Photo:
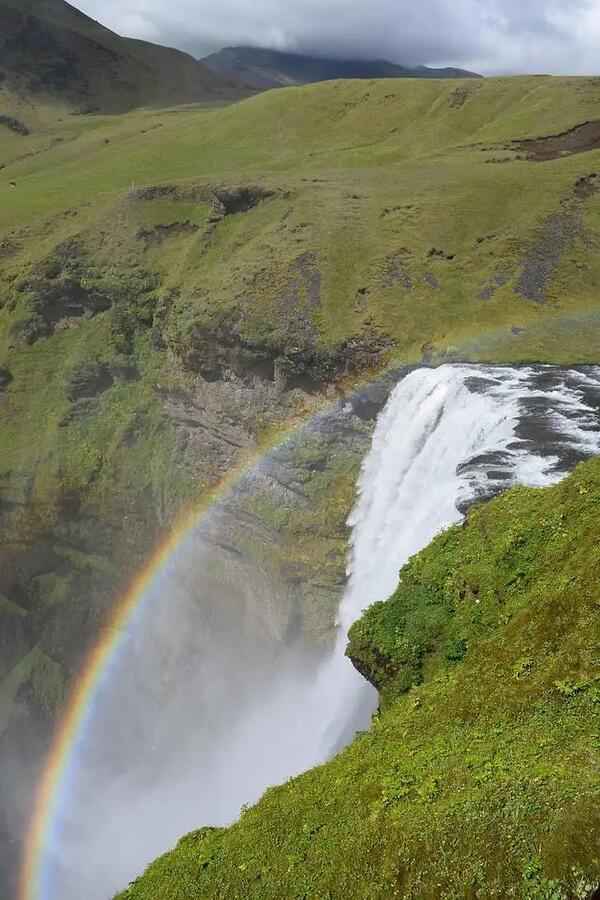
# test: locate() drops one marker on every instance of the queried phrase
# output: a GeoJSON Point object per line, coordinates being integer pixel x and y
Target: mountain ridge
{"type": "Point", "coordinates": [263, 68]}
{"type": "Point", "coordinates": [52, 52]}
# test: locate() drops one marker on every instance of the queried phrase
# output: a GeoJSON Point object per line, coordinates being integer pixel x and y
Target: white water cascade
{"type": "Point", "coordinates": [445, 437]}
{"type": "Point", "coordinates": [417, 476]}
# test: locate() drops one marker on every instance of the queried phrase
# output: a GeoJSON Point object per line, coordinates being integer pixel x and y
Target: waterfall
{"type": "Point", "coordinates": [446, 437]}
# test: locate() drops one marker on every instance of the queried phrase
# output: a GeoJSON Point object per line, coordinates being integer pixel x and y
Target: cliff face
{"type": "Point", "coordinates": [478, 776]}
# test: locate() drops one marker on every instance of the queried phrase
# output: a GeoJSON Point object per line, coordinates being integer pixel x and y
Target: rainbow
{"type": "Point", "coordinates": [79, 708]}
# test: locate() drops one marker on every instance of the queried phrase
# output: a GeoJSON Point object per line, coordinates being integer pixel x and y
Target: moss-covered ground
{"type": "Point", "coordinates": [479, 776]}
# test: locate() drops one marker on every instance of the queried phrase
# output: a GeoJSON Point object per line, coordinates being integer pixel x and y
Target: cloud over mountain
{"type": "Point", "coordinates": [493, 36]}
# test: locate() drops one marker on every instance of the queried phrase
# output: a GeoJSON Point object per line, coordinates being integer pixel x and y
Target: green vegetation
{"type": "Point", "coordinates": [420, 234]}
{"type": "Point", "coordinates": [478, 778]}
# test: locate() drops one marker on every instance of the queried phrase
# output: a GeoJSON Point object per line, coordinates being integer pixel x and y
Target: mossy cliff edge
{"type": "Point", "coordinates": [479, 775]}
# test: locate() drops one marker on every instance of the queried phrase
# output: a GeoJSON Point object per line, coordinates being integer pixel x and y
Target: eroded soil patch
{"type": "Point", "coordinates": [160, 233]}
{"type": "Point", "coordinates": [198, 193]}
{"type": "Point", "coordinates": [556, 235]}
{"type": "Point", "coordinates": [579, 139]}
{"type": "Point", "coordinates": [230, 201]}
{"type": "Point", "coordinates": [395, 272]}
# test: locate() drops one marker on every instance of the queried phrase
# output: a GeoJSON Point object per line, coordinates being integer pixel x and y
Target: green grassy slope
{"type": "Point", "coordinates": [421, 234]}
{"type": "Point", "coordinates": [53, 54]}
{"type": "Point", "coordinates": [479, 777]}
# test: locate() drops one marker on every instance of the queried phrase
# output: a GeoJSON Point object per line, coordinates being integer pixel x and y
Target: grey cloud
{"type": "Point", "coordinates": [493, 36]}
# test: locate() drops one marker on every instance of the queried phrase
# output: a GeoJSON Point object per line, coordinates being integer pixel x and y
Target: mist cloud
{"type": "Point", "coordinates": [492, 36]}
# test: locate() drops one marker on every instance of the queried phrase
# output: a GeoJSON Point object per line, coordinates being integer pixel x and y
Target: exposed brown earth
{"type": "Point", "coordinates": [160, 233]}
{"type": "Point", "coordinates": [579, 139]}
{"type": "Point", "coordinates": [557, 234]}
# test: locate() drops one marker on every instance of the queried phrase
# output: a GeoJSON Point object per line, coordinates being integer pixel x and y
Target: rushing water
{"type": "Point", "coordinates": [238, 722]}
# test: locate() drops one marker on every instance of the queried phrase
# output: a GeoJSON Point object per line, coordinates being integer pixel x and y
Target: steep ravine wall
{"type": "Point", "coordinates": [276, 548]}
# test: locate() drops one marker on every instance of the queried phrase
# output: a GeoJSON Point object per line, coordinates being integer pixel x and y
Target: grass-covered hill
{"type": "Point", "coordinates": [177, 284]}
{"type": "Point", "coordinates": [263, 68]}
{"type": "Point", "coordinates": [52, 55]}
{"type": "Point", "coordinates": [479, 776]}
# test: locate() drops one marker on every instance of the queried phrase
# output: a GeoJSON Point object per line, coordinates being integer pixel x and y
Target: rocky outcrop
{"type": "Point", "coordinates": [67, 287]}
{"type": "Point", "coordinates": [230, 201]}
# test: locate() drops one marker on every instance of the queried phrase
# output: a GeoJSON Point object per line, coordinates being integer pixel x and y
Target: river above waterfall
{"type": "Point", "coordinates": [204, 709]}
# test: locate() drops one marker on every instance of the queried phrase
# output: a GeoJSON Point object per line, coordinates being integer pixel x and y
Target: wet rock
{"type": "Point", "coordinates": [368, 402]}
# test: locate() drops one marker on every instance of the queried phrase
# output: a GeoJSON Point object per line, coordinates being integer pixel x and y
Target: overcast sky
{"type": "Point", "coordinates": [491, 36]}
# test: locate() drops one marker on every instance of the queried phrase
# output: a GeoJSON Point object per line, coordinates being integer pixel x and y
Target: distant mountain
{"type": "Point", "coordinates": [263, 69]}
{"type": "Point", "coordinates": [50, 49]}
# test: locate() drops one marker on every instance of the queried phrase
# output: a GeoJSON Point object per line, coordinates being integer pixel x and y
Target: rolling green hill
{"type": "Point", "coordinates": [53, 55]}
{"type": "Point", "coordinates": [248, 261]}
